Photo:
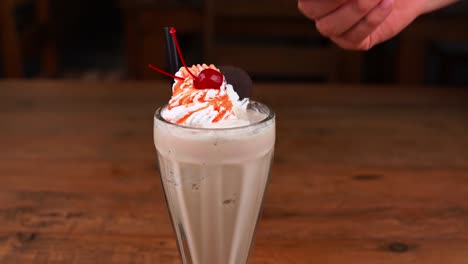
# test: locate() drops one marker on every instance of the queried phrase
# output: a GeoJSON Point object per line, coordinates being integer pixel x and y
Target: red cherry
{"type": "Point", "coordinates": [209, 79]}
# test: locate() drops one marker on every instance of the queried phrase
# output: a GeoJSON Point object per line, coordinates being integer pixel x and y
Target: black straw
{"type": "Point", "coordinates": [172, 58]}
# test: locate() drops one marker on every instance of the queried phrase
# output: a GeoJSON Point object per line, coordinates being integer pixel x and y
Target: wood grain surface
{"type": "Point", "coordinates": [362, 174]}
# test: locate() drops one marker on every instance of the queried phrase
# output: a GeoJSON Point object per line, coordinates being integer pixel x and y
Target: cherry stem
{"type": "Point", "coordinates": [173, 33]}
{"type": "Point", "coordinates": [165, 73]}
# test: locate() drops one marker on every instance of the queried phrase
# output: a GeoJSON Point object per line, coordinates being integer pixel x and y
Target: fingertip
{"type": "Point", "coordinates": [346, 44]}
{"type": "Point", "coordinates": [300, 5]}
{"type": "Point", "coordinates": [325, 28]}
{"type": "Point", "coordinates": [305, 8]}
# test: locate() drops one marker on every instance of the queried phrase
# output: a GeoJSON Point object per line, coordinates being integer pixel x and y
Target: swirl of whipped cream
{"type": "Point", "coordinates": [202, 107]}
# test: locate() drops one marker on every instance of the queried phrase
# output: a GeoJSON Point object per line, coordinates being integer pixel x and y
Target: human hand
{"type": "Point", "coordinates": [361, 24]}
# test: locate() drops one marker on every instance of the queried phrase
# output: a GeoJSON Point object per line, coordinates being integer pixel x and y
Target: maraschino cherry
{"type": "Point", "coordinates": [206, 79]}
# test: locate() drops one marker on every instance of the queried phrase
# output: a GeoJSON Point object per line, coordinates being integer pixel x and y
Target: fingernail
{"type": "Point", "coordinates": [386, 4]}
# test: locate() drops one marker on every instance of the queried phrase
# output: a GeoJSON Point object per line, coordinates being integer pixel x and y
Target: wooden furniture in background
{"type": "Point", "coordinates": [34, 40]}
{"type": "Point", "coordinates": [144, 23]}
{"type": "Point", "coordinates": [375, 174]}
{"type": "Point", "coordinates": [273, 38]}
{"type": "Point", "coordinates": [416, 41]}
{"type": "Point", "coordinates": [264, 37]}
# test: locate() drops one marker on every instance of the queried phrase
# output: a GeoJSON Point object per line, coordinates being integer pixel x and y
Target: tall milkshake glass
{"type": "Point", "coordinates": [214, 180]}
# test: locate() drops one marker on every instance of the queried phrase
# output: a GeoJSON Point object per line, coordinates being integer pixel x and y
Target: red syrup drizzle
{"type": "Point", "coordinates": [207, 79]}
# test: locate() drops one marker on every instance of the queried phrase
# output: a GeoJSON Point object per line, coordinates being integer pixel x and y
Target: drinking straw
{"type": "Point", "coordinates": [171, 52]}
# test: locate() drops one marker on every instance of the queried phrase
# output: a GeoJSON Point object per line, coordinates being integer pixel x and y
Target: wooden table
{"type": "Point", "coordinates": [361, 175]}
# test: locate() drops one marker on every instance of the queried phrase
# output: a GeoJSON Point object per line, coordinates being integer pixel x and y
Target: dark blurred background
{"type": "Point", "coordinates": [115, 40]}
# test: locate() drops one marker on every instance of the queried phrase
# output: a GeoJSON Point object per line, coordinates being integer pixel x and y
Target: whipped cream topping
{"type": "Point", "coordinates": [194, 107]}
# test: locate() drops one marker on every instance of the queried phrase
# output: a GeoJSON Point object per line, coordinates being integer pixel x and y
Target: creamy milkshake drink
{"type": "Point", "coordinates": [214, 152]}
